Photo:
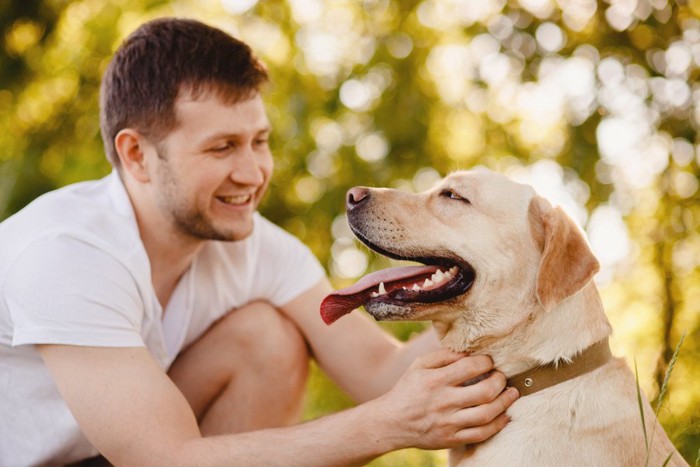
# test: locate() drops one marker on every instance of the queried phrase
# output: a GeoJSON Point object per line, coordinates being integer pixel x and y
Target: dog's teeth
{"type": "Point", "coordinates": [454, 269]}
{"type": "Point", "coordinates": [380, 291]}
{"type": "Point", "coordinates": [416, 288]}
{"type": "Point", "coordinates": [427, 283]}
{"type": "Point", "coordinates": [448, 275]}
{"type": "Point", "coordinates": [439, 276]}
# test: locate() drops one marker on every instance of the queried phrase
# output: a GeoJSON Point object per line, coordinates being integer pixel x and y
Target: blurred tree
{"type": "Point", "coordinates": [593, 101]}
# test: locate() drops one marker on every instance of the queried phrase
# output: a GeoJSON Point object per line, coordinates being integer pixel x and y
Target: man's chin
{"type": "Point", "coordinates": [239, 235]}
{"type": "Point", "coordinates": [235, 231]}
{"type": "Point", "coordinates": [223, 233]}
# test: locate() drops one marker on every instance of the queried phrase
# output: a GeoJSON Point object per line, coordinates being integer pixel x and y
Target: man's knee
{"type": "Point", "coordinates": [263, 336]}
{"type": "Point", "coordinates": [248, 371]}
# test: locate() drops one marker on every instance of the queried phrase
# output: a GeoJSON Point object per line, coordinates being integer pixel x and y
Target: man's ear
{"type": "Point", "coordinates": [130, 145]}
{"type": "Point", "coordinates": [567, 262]}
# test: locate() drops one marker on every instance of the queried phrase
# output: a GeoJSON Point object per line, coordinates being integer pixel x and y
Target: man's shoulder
{"type": "Point", "coordinates": [82, 214]}
{"type": "Point", "coordinates": [64, 205]}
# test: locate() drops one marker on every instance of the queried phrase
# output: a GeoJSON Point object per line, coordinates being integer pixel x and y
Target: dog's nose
{"type": "Point", "coordinates": [356, 196]}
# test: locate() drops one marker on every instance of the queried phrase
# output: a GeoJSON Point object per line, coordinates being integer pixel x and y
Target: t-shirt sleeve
{"type": "Point", "coordinates": [286, 268]}
{"type": "Point", "coordinates": [62, 290]}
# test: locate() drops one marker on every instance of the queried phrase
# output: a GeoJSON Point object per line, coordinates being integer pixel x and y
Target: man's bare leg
{"type": "Point", "coordinates": [247, 372]}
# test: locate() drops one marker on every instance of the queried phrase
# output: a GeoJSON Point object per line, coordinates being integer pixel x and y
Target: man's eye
{"type": "Point", "coordinates": [452, 195]}
{"type": "Point", "coordinates": [222, 148]}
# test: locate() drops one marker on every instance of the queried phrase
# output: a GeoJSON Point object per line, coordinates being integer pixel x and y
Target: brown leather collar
{"type": "Point", "coordinates": [542, 377]}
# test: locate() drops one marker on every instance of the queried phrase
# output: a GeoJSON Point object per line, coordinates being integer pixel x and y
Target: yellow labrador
{"type": "Point", "coordinates": [508, 275]}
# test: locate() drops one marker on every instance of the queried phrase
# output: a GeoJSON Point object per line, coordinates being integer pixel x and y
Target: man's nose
{"type": "Point", "coordinates": [356, 196]}
{"type": "Point", "coordinates": [248, 170]}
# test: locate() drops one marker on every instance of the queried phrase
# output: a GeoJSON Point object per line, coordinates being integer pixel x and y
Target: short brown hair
{"type": "Point", "coordinates": [162, 59]}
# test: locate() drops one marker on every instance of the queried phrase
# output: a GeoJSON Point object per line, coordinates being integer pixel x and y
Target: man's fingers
{"type": "Point", "coordinates": [484, 391]}
{"type": "Point", "coordinates": [438, 359]}
{"type": "Point", "coordinates": [465, 369]}
{"type": "Point", "coordinates": [477, 434]}
{"type": "Point", "coordinates": [484, 421]}
{"type": "Point", "coordinates": [485, 413]}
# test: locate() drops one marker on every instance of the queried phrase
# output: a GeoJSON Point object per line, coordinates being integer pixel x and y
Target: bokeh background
{"type": "Point", "coordinates": [596, 103]}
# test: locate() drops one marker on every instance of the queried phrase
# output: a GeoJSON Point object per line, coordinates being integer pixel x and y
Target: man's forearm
{"type": "Point", "coordinates": [351, 437]}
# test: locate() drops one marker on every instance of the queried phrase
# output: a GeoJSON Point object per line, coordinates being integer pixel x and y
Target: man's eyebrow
{"type": "Point", "coordinates": [232, 134]}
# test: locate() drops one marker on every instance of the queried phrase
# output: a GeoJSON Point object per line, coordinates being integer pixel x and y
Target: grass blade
{"type": "Point", "coordinates": [641, 410]}
{"type": "Point", "coordinates": [667, 376]}
{"type": "Point", "coordinates": [659, 400]}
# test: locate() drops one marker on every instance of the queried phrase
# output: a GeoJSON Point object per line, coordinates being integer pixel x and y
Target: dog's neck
{"type": "Point", "coordinates": [546, 337]}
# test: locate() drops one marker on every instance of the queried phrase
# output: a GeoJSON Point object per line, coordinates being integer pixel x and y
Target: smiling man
{"type": "Point", "coordinates": [155, 318]}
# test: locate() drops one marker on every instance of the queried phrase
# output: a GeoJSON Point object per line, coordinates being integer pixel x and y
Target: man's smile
{"type": "Point", "coordinates": [236, 200]}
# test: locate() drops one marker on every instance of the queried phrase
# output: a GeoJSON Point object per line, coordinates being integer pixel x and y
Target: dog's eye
{"type": "Point", "coordinates": [452, 195]}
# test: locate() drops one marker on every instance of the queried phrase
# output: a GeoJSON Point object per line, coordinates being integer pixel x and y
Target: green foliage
{"type": "Point", "coordinates": [649, 439]}
{"type": "Point", "coordinates": [399, 92]}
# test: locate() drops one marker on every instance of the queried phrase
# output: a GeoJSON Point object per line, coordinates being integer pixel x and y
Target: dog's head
{"type": "Point", "coordinates": [494, 253]}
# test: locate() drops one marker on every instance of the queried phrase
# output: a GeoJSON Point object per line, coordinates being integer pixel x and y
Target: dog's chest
{"type": "Point", "coordinates": [519, 443]}
{"type": "Point", "coordinates": [560, 427]}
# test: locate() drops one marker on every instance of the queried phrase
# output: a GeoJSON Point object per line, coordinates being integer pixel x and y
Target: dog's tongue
{"type": "Point", "coordinates": [343, 301]}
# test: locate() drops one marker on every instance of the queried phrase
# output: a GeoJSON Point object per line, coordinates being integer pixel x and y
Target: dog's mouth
{"type": "Point", "coordinates": [438, 280]}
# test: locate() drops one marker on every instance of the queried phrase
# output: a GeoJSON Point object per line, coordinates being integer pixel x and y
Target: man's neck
{"type": "Point", "coordinates": [170, 252]}
{"type": "Point", "coordinates": [170, 256]}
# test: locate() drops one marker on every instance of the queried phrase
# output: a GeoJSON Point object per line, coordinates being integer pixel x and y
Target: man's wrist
{"type": "Point", "coordinates": [380, 427]}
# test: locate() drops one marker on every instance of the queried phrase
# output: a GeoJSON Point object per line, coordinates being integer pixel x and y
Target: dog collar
{"type": "Point", "coordinates": [544, 376]}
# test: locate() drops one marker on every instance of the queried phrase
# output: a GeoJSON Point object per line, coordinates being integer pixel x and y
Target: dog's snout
{"type": "Point", "coordinates": [356, 196]}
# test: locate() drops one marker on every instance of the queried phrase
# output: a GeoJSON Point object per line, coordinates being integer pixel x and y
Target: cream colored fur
{"type": "Point", "coordinates": [533, 302]}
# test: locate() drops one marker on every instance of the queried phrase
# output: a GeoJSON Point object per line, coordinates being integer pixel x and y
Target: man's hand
{"type": "Point", "coordinates": [430, 409]}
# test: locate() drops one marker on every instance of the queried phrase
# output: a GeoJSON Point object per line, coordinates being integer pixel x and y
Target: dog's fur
{"type": "Point", "coordinates": [532, 302]}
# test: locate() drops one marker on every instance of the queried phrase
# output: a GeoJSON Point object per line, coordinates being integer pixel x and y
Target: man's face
{"type": "Point", "coordinates": [213, 169]}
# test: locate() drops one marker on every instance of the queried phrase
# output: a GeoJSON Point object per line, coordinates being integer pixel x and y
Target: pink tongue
{"type": "Point", "coordinates": [343, 301]}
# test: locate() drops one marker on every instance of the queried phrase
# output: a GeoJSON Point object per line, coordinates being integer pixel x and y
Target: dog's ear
{"type": "Point", "coordinates": [567, 262]}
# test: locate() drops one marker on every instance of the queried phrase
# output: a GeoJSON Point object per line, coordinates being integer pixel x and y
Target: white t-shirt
{"type": "Point", "coordinates": [73, 270]}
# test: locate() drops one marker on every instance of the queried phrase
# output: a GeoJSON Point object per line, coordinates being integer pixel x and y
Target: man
{"type": "Point", "coordinates": [116, 330]}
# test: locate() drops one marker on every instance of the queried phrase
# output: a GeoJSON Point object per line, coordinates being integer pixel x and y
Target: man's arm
{"type": "Point", "coordinates": [357, 354]}
{"type": "Point", "coordinates": [131, 411]}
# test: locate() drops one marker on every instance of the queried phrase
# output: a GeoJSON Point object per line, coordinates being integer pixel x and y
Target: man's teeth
{"type": "Point", "coordinates": [436, 280]}
{"type": "Point", "coordinates": [238, 199]}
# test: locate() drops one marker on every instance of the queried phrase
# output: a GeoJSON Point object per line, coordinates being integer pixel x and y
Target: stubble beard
{"type": "Point", "coordinates": [187, 219]}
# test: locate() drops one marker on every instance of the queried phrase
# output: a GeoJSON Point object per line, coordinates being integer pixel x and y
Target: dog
{"type": "Point", "coordinates": [508, 275]}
